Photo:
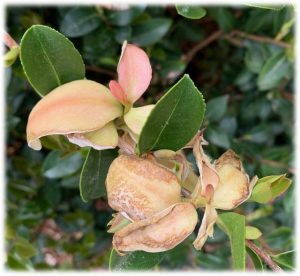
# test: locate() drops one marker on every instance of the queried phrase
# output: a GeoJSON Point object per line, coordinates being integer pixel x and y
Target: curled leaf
{"type": "Point", "coordinates": [76, 107]}
{"type": "Point", "coordinates": [161, 232]}
{"type": "Point", "coordinates": [140, 187]}
{"type": "Point", "coordinates": [207, 227]}
{"type": "Point", "coordinates": [134, 74]}
{"type": "Point", "coordinates": [234, 186]}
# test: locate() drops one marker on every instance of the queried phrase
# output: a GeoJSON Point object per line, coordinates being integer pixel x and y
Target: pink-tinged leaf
{"type": "Point", "coordinates": [118, 92]}
{"type": "Point", "coordinates": [76, 107]}
{"type": "Point", "coordinates": [134, 71]}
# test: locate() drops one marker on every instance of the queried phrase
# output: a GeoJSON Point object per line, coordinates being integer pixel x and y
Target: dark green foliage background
{"type": "Point", "coordinates": [251, 114]}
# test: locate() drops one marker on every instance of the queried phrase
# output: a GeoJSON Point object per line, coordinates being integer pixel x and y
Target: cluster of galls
{"type": "Point", "coordinates": [156, 197]}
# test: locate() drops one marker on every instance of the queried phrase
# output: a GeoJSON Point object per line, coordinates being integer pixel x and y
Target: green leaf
{"type": "Point", "coordinates": [224, 18]}
{"type": "Point", "coordinates": [57, 165]}
{"type": "Point", "coordinates": [255, 57]}
{"type": "Point", "coordinates": [24, 248]}
{"type": "Point", "coordinates": [270, 187]}
{"type": "Point", "coordinates": [80, 21]}
{"type": "Point", "coordinates": [255, 259]}
{"type": "Point", "coordinates": [191, 12]}
{"type": "Point", "coordinates": [125, 17]}
{"type": "Point", "coordinates": [216, 108]}
{"type": "Point", "coordinates": [49, 59]}
{"type": "Point", "coordinates": [150, 31]}
{"type": "Point", "coordinates": [94, 171]}
{"type": "Point", "coordinates": [217, 136]}
{"type": "Point", "coordinates": [252, 233]}
{"type": "Point", "coordinates": [11, 56]}
{"type": "Point", "coordinates": [274, 70]}
{"type": "Point", "coordinates": [138, 260]}
{"type": "Point", "coordinates": [175, 119]}
{"type": "Point", "coordinates": [234, 226]}
{"type": "Point", "coordinates": [286, 259]}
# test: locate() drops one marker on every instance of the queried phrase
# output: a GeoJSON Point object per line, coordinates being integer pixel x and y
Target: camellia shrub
{"type": "Point", "coordinates": [147, 164]}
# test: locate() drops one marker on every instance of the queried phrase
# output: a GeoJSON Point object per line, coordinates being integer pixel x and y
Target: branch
{"type": "Point", "coordinates": [262, 39]}
{"type": "Point", "coordinates": [264, 256]}
{"type": "Point", "coordinates": [214, 36]}
{"type": "Point", "coordinates": [9, 41]}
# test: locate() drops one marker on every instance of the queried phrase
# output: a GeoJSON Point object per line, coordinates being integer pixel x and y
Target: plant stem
{"type": "Point", "coordinates": [214, 36]}
{"type": "Point", "coordinates": [264, 256]}
{"type": "Point", "coordinates": [262, 39]}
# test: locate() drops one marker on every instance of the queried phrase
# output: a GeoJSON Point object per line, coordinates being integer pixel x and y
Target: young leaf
{"type": "Point", "coordinates": [138, 260]}
{"type": "Point", "coordinates": [11, 56]}
{"type": "Point", "coordinates": [57, 165]}
{"type": "Point", "coordinates": [93, 174]}
{"type": "Point", "coordinates": [286, 259]}
{"type": "Point", "coordinates": [255, 259]}
{"type": "Point", "coordinates": [191, 12]}
{"type": "Point", "coordinates": [274, 70]}
{"type": "Point", "coordinates": [270, 187]}
{"type": "Point", "coordinates": [234, 226]}
{"type": "Point", "coordinates": [49, 59]}
{"type": "Point", "coordinates": [175, 118]}
{"type": "Point", "coordinates": [150, 31]}
{"type": "Point", "coordinates": [252, 233]}
{"type": "Point", "coordinates": [80, 21]}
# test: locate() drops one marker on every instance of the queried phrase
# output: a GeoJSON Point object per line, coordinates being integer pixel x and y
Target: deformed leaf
{"type": "Point", "coordinates": [138, 260]}
{"type": "Point", "coordinates": [49, 59]}
{"type": "Point", "coordinates": [234, 226]}
{"type": "Point", "coordinates": [93, 174]}
{"type": "Point", "coordinates": [175, 119]}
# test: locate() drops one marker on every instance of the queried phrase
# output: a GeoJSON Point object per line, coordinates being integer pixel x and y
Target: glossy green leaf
{"type": "Point", "coordinates": [252, 233]}
{"type": "Point", "coordinates": [58, 165]}
{"type": "Point", "coordinates": [270, 187]}
{"type": "Point", "coordinates": [233, 225]}
{"type": "Point", "coordinates": [11, 56]}
{"type": "Point", "coordinates": [94, 171]}
{"type": "Point", "coordinates": [80, 21]}
{"type": "Point", "coordinates": [124, 17]}
{"type": "Point", "coordinates": [286, 259]}
{"type": "Point", "coordinates": [255, 259]}
{"type": "Point", "coordinates": [138, 260]}
{"type": "Point", "coordinates": [216, 108]}
{"type": "Point", "coordinates": [191, 12]}
{"type": "Point", "coordinates": [150, 31]}
{"type": "Point", "coordinates": [175, 119]}
{"type": "Point", "coordinates": [49, 59]}
{"type": "Point", "coordinates": [273, 72]}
